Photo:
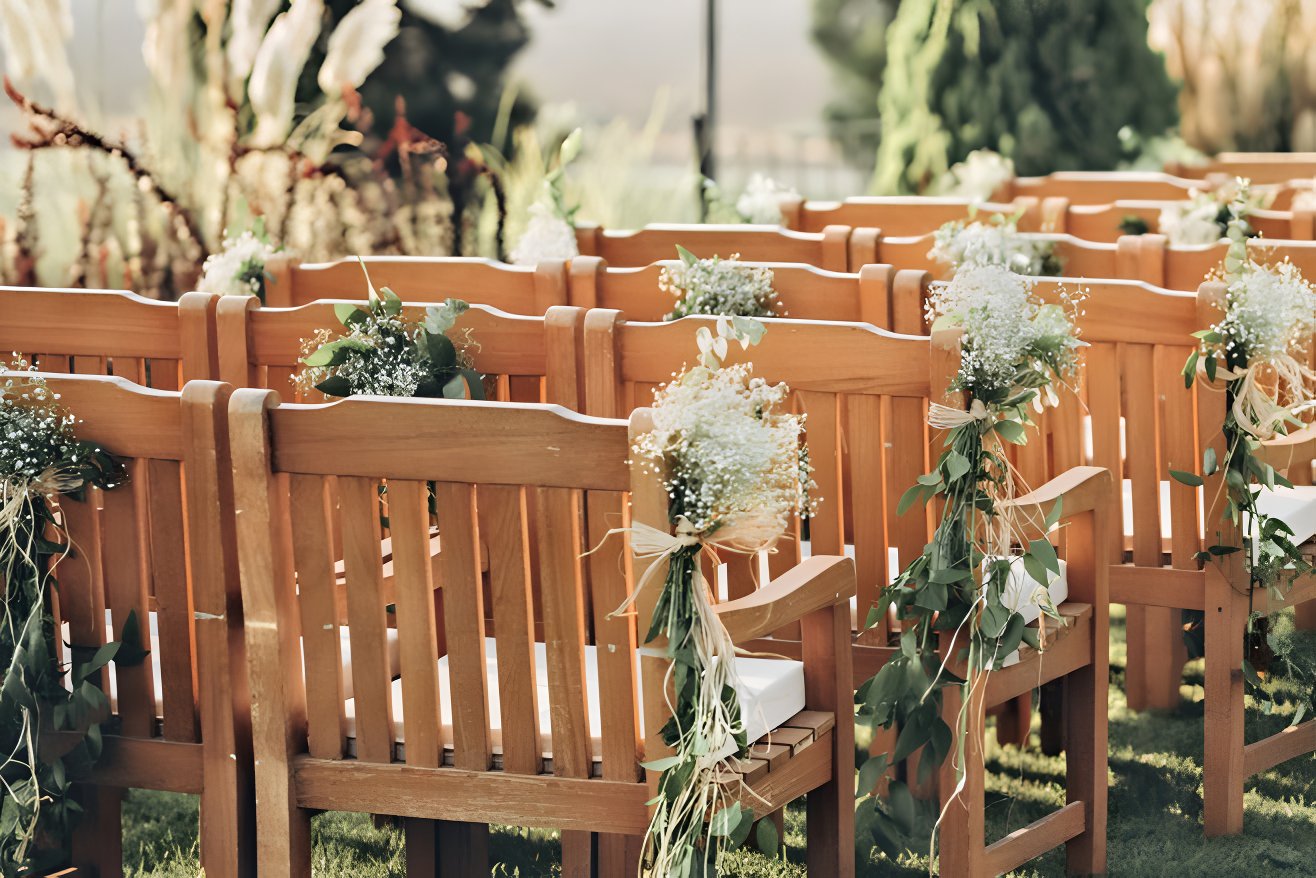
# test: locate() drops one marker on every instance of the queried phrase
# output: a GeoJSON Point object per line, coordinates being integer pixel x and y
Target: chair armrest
{"type": "Point", "coordinates": [1283, 452]}
{"type": "Point", "coordinates": [815, 584]}
{"type": "Point", "coordinates": [1081, 489]}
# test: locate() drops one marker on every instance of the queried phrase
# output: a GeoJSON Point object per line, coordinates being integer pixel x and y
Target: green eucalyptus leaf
{"type": "Point", "coordinates": [766, 838]}
{"type": "Point", "coordinates": [1192, 480]}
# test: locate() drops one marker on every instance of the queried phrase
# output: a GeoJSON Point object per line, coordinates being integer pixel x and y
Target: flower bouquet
{"type": "Point", "coordinates": [730, 456]}
{"type": "Point", "coordinates": [962, 244]}
{"type": "Point", "coordinates": [718, 287]}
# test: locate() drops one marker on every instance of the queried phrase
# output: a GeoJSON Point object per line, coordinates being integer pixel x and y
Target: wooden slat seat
{"type": "Point", "coordinates": [772, 693]}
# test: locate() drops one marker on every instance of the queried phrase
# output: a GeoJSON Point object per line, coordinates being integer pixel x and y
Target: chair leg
{"type": "Point", "coordinates": [963, 842]}
{"type": "Point", "coordinates": [1051, 705]}
{"type": "Point", "coordinates": [1015, 720]}
{"type": "Point", "coordinates": [619, 854]}
{"type": "Point", "coordinates": [1304, 616]}
{"type": "Point", "coordinates": [1156, 656]}
{"type": "Point", "coordinates": [98, 840]}
{"type": "Point", "coordinates": [1222, 760]}
{"type": "Point", "coordinates": [827, 677]}
{"type": "Point", "coordinates": [577, 854]}
{"type": "Point", "coordinates": [463, 849]}
{"type": "Point", "coordinates": [227, 832]}
{"type": "Point", "coordinates": [1085, 694]}
{"type": "Point", "coordinates": [422, 846]}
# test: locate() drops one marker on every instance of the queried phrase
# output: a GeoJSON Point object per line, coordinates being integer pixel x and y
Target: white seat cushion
{"type": "Point", "coordinates": [771, 692]}
{"type": "Point", "coordinates": [154, 658]}
{"type": "Point", "coordinates": [1021, 595]}
{"type": "Point", "coordinates": [1294, 506]}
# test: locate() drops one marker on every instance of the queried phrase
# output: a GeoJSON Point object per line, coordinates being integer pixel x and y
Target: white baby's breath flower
{"type": "Point", "coordinates": [278, 64]}
{"type": "Point", "coordinates": [1194, 222]}
{"type": "Point", "coordinates": [762, 199]}
{"type": "Point", "coordinates": [239, 268]}
{"type": "Point", "coordinates": [728, 447]}
{"type": "Point", "coordinates": [718, 287]}
{"type": "Point", "coordinates": [1270, 311]}
{"type": "Point", "coordinates": [356, 47]}
{"type": "Point", "coordinates": [547, 236]}
{"type": "Point", "coordinates": [998, 242]}
{"type": "Point", "coordinates": [978, 177]}
{"type": "Point", "coordinates": [1006, 329]}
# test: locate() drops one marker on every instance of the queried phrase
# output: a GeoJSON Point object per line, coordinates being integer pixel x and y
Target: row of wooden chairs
{"type": "Point", "coordinates": [1104, 223]}
{"type": "Point", "coordinates": [590, 282]}
{"type": "Point", "coordinates": [1175, 330]}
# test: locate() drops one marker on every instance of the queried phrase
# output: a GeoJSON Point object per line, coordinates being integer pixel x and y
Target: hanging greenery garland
{"type": "Point", "coordinates": [1258, 352]}
{"type": "Point", "coordinates": [1015, 350]}
{"type": "Point", "coordinates": [729, 453]}
{"type": "Point", "coordinates": [41, 460]}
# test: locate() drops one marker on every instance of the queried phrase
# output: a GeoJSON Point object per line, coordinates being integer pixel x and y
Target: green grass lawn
{"type": "Point", "coordinates": [1155, 811]}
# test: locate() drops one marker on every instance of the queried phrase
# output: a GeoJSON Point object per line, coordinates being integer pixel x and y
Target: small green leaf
{"type": "Point", "coordinates": [570, 148]}
{"type": "Point", "coordinates": [661, 764]}
{"type": "Point", "coordinates": [870, 773]}
{"type": "Point", "coordinates": [1046, 553]}
{"type": "Point", "coordinates": [1012, 431]}
{"type": "Point", "coordinates": [766, 839]}
{"type": "Point", "coordinates": [1189, 479]}
{"type": "Point", "coordinates": [686, 256]}
{"type": "Point", "coordinates": [335, 385]}
{"type": "Point", "coordinates": [725, 820]}
{"type": "Point", "coordinates": [1208, 462]}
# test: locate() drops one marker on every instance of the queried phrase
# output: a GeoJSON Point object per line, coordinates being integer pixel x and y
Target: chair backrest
{"type": "Point", "coordinates": [829, 249]}
{"type": "Point", "coordinates": [1148, 258]}
{"type": "Point", "coordinates": [160, 545]}
{"type": "Point", "coordinates": [1100, 187]}
{"type": "Point", "coordinates": [100, 332]}
{"type": "Point", "coordinates": [516, 289]}
{"type": "Point", "coordinates": [1102, 222]}
{"type": "Point", "coordinates": [865, 391]}
{"type": "Point", "coordinates": [901, 216]}
{"type": "Point", "coordinates": [484, 465]}
{"type": "Point", "coordinates": [533, 358]}
{"type": "Point", "coordinates": [1259, 167]}
{"type": "Point", "coordinates": [876, 294]}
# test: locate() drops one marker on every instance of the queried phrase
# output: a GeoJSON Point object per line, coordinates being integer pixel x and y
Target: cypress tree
{"type": "Point", "coordinates": [1049, 83]}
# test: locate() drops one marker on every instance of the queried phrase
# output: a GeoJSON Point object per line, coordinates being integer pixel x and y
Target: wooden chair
{"type": "Point", "coordinates": [865, 392]}
{"type": "Point", "coordinates": [99, 332]}
{"type": "Point", "coordinates": [533, 359]}
{"type": "Point", "coordinates": [832, 248]}
{"type": "Point", "coordinates": [1078, 658]}
{"type": "Point", "coordinates": [431, 745]}
{"type": "Point", "coordinates": [161, 546]}
{"type": "Point", "coordinates": [1150, 259]}
{"type": "Point", "coordinates": [512, 288]}
{"type": "Point", "coordinates": [876, 294]}
{"type": "Point", "coordinates": [1099, 187]}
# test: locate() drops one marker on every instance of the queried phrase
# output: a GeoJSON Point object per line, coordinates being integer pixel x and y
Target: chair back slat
{"type": "Point", "coordinates": [614, 637]}
{"type": "Point", "coordinates": [463, 619]}
{"type": "Point", "coordinates": [1179, 451]}
{"type": "Point", "coordinates": [563, 595]}
{"type": "Point", "coordinates": [124, 550]}
{"type": "Point", "coordinates": [505, 529]}
{"type": "Point", "coordinates": [409, 525]}
{"type": "Point", "coordinates": [313, 554]}
{"type": "Point", "coordinates": [826, 528]}
{"type": "Point", "coordinates": [173, 604]}
{"type": "Point", "coordinates": [865, 485]}
{"type": "Point", "coordinates": [359, 506]}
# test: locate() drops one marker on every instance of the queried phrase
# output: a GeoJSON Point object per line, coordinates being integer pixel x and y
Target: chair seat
{"type": "Point", "coordinates": [154, 658]}
{"type": "Point", "coordinates": [1295, 506]}
{"type": "Point", "coordinates": [771, 692]}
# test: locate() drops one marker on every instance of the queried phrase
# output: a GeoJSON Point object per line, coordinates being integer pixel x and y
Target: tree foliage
{"type": "Point", "coordinates": [851, 34]}
{"type": "Point", "coordinates": [1049, 83]}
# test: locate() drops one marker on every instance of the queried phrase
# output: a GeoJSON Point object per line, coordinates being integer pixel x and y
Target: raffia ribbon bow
{"type": "Point", "coordinates": [945, 417]}
{"type": "Point", "coordinates": [1255, 410]}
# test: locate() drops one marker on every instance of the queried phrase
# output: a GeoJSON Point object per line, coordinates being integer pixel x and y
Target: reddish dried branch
{"type": "Point", "coordinates": [53, 130]}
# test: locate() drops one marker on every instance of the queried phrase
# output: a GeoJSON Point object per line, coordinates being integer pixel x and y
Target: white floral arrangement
{"type": "Point", "coordinates": [550, 232]}
{"type": "Point", "coordinates": [238, 269]}
{"type": "Point", "coordinates": [718, 287]}
{"type": "Point", "coordinates": [977, 178]}
{"type": "Point", "coordinates": [1204, 218]}
{"type": "Point", "coordinates": [1011, 339]}
{"type": "Point", "coordinates": [762, 200]}
{"type": "Point", "coordinates": [964, 244]}
{"type": "Point", "coordinates": [729, 452]}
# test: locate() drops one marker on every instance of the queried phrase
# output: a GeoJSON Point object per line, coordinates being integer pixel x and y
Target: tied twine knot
{"type": "Point", "coordinates": [945, 417]}
{"type": "Point", "coordinates": [1255, 408]}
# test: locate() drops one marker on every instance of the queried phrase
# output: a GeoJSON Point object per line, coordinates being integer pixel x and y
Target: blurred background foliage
{"type": "Point", "coordinates": [907, 88]}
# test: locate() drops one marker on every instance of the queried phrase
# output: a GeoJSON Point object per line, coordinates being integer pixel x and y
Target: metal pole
{"type": "Point", "coordinates": [708, 157]}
